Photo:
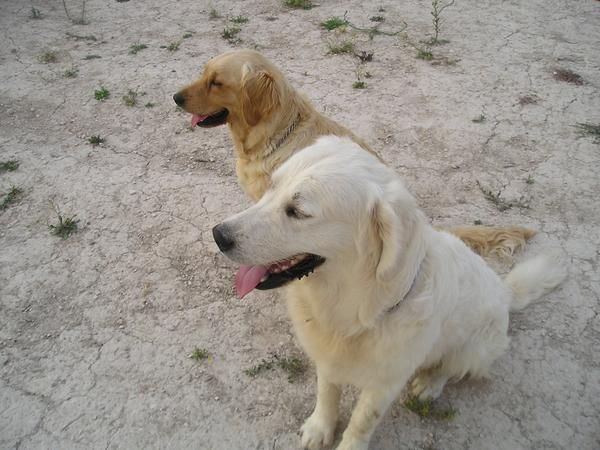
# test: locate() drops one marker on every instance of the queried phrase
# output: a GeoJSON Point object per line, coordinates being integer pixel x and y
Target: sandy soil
{"type": "Point", "coordinates": [96, 330]}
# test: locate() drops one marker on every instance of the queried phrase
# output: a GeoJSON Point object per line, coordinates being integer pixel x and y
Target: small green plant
{"type": "Point", "coordinates": [423, 54]}
{"type": "Point", "coordinates": [341, 47]}
{"type": "Point", "coordinates": [174, 46]}
{"type": "Point", "coordinates": [500, 204]}
{"type": "Point", "coordinates": [199, 354]}
{"type": "Point", "coordinates": [88, 57]}
{"type": "Point", "coordinates": [79, 20]}
{"type": "Point", "coordinates": [295, 367]}
{"type": "Point", "coordinates": [149, 105]}
{"type": "Point", "coordinates": [71, 73]}
{"type": "Point", "coordinates": [130, 99]}
{"type": "Point", "coordinates": [359, 84]}
{"type": "Point", "coordinates": [101, 94]}
{"type": "Point", "coordinates": [239, 19]}
{"type": "Point", "coordinates": [9, 166]}
{"type": "Point", "coordinates": [426, 409]}
{"type": "Point", "coordinates": [364, 56]}
{"type": "Point", "coordinates": [378, 19]}
{"type": "Point", "coordinates": [529, 179]}
{"type": "Point", "coordinates": [477, 222]}
{"type": "Point", "coordinates": [65, 226]}
{"type": "Point", "coordinates": [136, 48]}
{"type": "Point", "coordinates": [589, 129]}
{"type": "Point", "coordinates": [479, 119]}
{"type": "Point", "coordinates": [187, 35]}
{"type": "Point", "coordinates": [437, 7]}
{"type": "Point", "coordinates": [78, 37]}
{"type": "Point", "coordinates": [230, 33]}
{"type": "Point", "coordinates": [11, 197]}
{"type": "Point", "coordinates": [35, 14]}
{"type": "Point", "coordinates": [334, 22]}
{"type": "Point", "coordinates": [214, 14]}
{"type": "Point", "coordinates": [96, 140]}
{"type": "Point", "coordinates": [298, 4]}
{"type": "Point", "coordinates": [48, 57]}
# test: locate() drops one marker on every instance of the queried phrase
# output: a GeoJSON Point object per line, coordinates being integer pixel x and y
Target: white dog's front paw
{"type": "Point", "coordinates": [350, 443]}
{"type": "Point", "coordinates": [317, 432]}
{"type": "Point", "coordinates": [428, 387]}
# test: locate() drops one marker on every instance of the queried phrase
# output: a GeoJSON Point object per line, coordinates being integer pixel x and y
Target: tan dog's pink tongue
{"type": "Point", "coordinates": [196, 119]}
{"type": "Point", "coordinates": [247, 278]}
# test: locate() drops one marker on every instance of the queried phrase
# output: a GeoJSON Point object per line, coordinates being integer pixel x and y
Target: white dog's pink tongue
{"type": "Point", "coordinates": [247, 278]}
{"type": "Point", "coordinates": [197, 119]}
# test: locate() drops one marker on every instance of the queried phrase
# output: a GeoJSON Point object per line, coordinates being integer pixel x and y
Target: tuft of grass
{"type": "Point", "coordinates": [479, 119]}
{"type": "Point", "coordinates": [588, 129]}
{"type": "Point", "coordinates": [173, 46]}
{"type": "Point", "coordinates": [199, 354]}
{"type": "Point", "coordinates": [9, 166]}
{"type": "Point", "coordinates": [187, 35]}
{"type": "Point", "coordinates": [341, 48]}
{"type": "Point", "coordinates": [528, 100]}
{"type": "Point", "coordinates": [35, 13]}
{"type": "Point", "coordinates": [88, 57]}
{"type": "Point", "coordinates": [214, 14]}
{"type": "Point", "coordinates": [500, 204]}
{"type": "Point", "coordinates": [294, 367]}
{"type": "Point", "coordinates": [149, 105]}
{"type": "Point", "coordinates": [377, 19]}
{"type": "Point", "coordinates": [95, 140]}
{"type": "Point", "coordinates": [568, 76]}
{"type": "Point", "coordinates": [299, 4]}
{"type": "Point", "coordinates": [11, 197]}
{"type": "Point", "coordinates": [101, 94]}
{"type": "Point", "coordinates": [78, 37]}
{"type": "Point", "coordinates": [239, 19]}
{"type": "Point", "coordinates": [426, 409]}
{"type": "Point", "coordinates": [529, 179]}
{"type": "Point", "coordinates": [130, 99]}
{"type": "Point", "coordinates": [65, 226]}
{"type": "Point", "coordinates": [71, 73]}
{"type": "Point", "coordinates": [425, 55]}
{"type": "Point", "coordinates": [48, 57]}
{"type": "Point", "coordinates": [136, 48]}
{"type": "Point", "coordinates": [477, 222]}
{"type": "Point", "coordinates": [364, 56]}
{"type": "Point", "coordinates": [359, 84]}
{"type": "Point", "coordinates": [334, 22]}
{"type": "Point", "coordinates": [230, 33]}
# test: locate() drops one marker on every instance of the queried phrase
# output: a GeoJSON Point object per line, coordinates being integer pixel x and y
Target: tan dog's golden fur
{"type": "Point", "coordinates": [269, 121]}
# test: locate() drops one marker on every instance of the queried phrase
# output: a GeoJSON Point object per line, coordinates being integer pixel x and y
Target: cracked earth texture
{"type": "Point", "coordinates": [96, 330]}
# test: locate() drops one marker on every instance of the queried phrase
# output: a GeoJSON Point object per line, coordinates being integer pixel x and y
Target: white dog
{"type": "Point", "coordinates": [389, 296]}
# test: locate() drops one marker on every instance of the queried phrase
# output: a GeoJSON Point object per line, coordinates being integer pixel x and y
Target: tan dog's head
{"type": "Point", "coordinates": [239, 86]}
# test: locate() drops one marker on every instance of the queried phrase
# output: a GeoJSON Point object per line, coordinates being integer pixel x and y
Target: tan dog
{"type": "Point", "coordinates": [269, 121]}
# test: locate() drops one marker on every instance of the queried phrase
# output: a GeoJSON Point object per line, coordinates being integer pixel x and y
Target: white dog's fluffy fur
{"type": "Point", "coordinates": [395, 297]}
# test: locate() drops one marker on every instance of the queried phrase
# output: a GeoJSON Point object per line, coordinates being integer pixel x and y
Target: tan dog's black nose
{"type": "Point", "coordinates": [179, 99]}
{"type": "Point", "coordinates": [222, 239]}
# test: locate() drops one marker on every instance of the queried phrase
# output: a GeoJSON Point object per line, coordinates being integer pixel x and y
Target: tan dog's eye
{"type": "Point", "coordinates": [215, 83]}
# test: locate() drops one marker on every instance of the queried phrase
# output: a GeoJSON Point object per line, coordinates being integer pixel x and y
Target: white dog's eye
{"type": "Point", "coordinates": [292, 211]}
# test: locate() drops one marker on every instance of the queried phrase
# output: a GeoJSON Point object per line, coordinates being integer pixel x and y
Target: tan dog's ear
{"type": "Point", "coordinates": [259, 94]}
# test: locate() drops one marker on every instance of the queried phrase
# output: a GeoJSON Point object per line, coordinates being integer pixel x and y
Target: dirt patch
{"type": "Point", "coordinates": [97, 329]}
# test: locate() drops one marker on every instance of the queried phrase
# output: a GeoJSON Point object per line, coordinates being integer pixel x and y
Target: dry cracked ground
{"type": "Point", "coordinates": [97, 329]}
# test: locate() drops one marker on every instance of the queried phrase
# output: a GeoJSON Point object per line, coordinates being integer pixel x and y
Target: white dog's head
{"type": "Point", "coordinates": [331, 206]}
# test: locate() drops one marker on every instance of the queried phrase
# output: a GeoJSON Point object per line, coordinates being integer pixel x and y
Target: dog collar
{"type": "Point", "coordinates": [408, 294]}
{"type": "Point", "coordinates": [284, 136]}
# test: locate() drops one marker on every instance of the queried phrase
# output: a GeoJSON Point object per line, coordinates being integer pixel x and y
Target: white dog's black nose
{"type": "Point", "coordinates": [222, 239]}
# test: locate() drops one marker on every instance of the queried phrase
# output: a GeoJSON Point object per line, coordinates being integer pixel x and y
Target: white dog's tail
{"type": "Point", "coordinates": [534, 278]}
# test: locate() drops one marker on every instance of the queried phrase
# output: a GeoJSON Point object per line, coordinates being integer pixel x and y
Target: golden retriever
{"type": "Point", "coordinates": [389, 296]}
{"type": "Point", "coordinates": [269, 121]}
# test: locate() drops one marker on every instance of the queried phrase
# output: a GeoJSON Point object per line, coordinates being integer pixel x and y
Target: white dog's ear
{"type": "Point", "coordinates": [399, 227]}
{"type": "Point", "coordinates": [259, 94]}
